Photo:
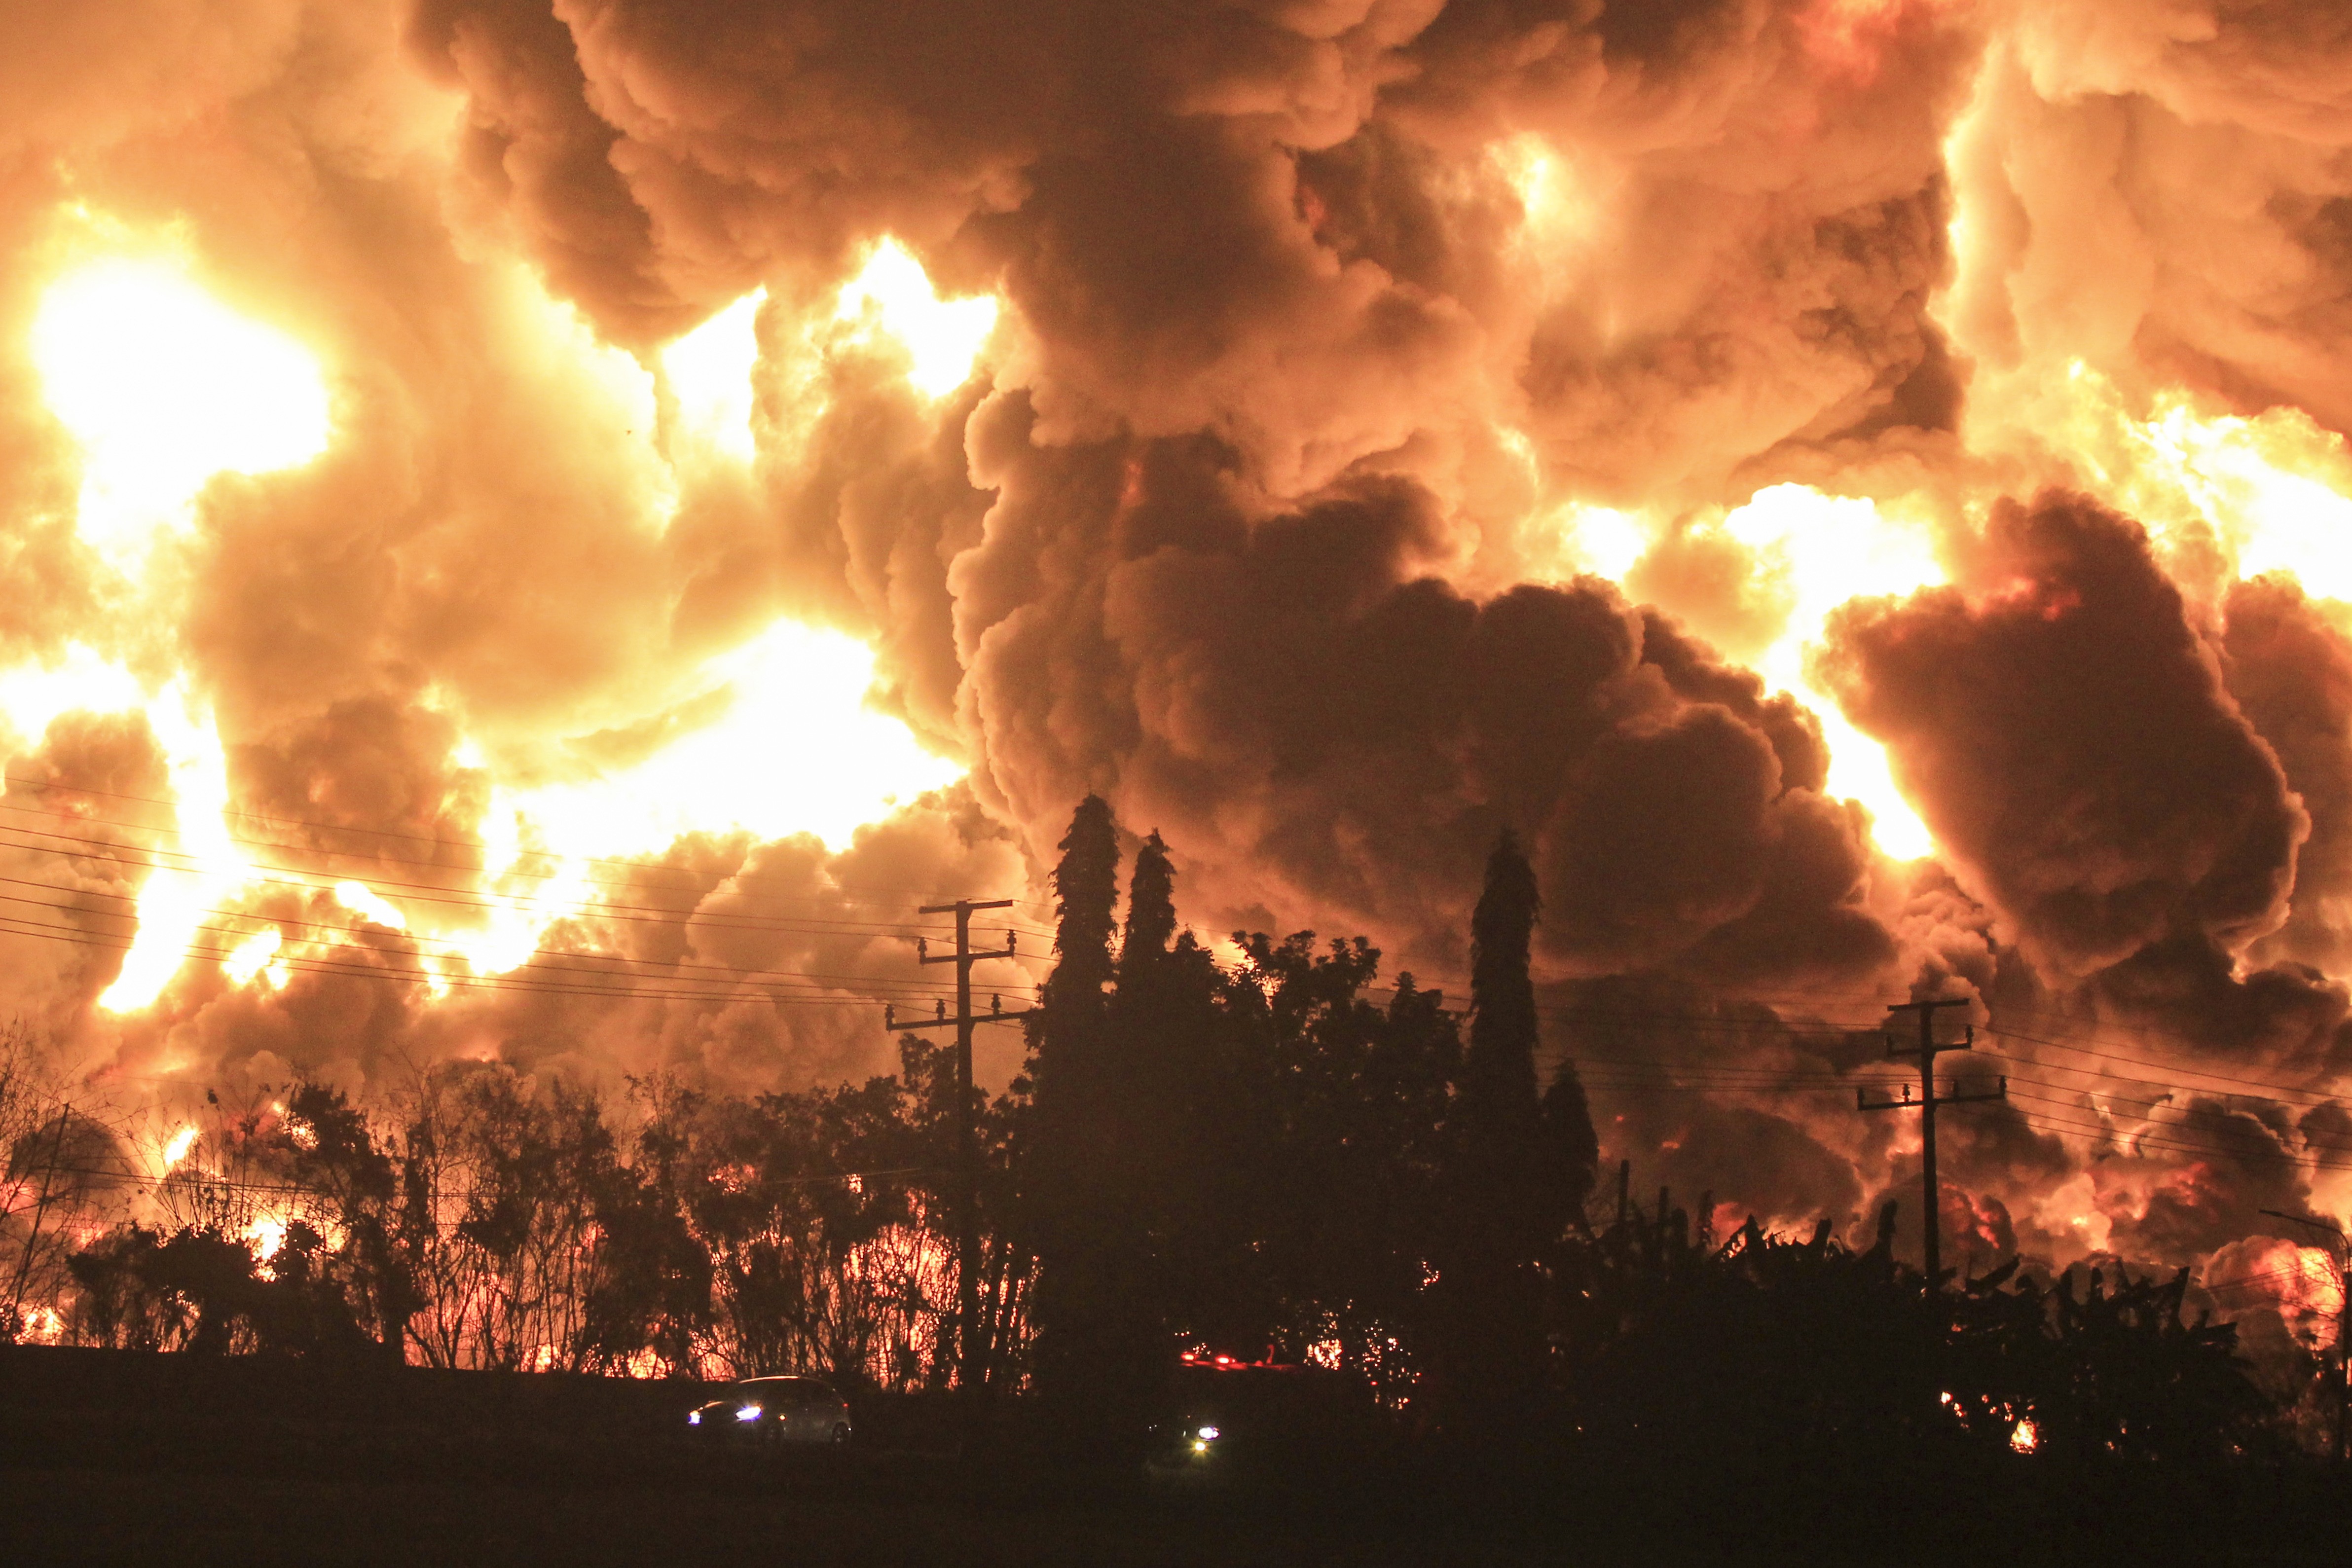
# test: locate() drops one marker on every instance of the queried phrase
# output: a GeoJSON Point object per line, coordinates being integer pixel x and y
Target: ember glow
{"type": "Point", "coordinates": [549, 533]}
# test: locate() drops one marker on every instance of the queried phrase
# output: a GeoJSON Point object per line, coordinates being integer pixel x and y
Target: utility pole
{"type": "Point", "coordinates": [1927, 1051]}
{"type": "Point", "coordinates": [2340, 1252]}
{"type": "Point", "coordinates": [969, 1374]}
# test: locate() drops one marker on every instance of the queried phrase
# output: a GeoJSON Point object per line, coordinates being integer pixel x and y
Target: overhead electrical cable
{"type": "Point", "coordinates": [433, 893]}
{"type": "Point", "coordinates": [2180, 1130]}
{"type": "Point", "coordinates": [2285, 1099]}
{"type": "Point", "coordinates": [2264, 1083]}
{"type": "Point", "coordinates": [12, 925]}
{"type": "Point", "coordinates": [265, 922]}
{"type": "Point", "coordinates": [46, 785]}
{"type": "Point", "coordinates": [2218, 1118]}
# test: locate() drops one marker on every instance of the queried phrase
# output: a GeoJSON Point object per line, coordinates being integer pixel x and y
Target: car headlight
{"type": "Point", "coordinates": [694, 1417]}
{"type": "Point", "coordinates": [1208, 1434]}
{"type": "Point", "coordinates": [749, 1413]}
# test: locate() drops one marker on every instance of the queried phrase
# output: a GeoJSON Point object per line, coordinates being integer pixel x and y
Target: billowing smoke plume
{"type": "Point", "coordinates": [1335, 431]}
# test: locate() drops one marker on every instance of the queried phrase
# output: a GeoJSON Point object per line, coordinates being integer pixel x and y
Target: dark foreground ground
{"type": "Point", "coordinates": [183, 1462]}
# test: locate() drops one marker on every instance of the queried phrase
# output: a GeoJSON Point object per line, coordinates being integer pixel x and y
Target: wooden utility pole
{"type": "Point", "coordinates": [971, 1372]}
{"type": "Point", "coordinates": [2340, 1253]}
{"type": "Point", "coordinates": [1927, 1051]}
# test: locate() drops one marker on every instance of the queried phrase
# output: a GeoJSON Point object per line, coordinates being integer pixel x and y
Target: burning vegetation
{"type": "Point", "coordinates": [1276, 1162]}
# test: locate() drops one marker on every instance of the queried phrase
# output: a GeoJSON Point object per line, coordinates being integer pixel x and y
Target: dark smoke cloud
{"type": "Point", "coordinates": [1292, 695]}
{"type": "Point", "coordinates": [2289, 665]}
{"type": "Point", "coordinates": [2065, 733]}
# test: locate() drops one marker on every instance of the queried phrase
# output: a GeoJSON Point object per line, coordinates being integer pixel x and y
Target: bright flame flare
{"type": "Point", "coordinates": [253, 956]}
{"type": "Point", "coordinates": [205, 869]}
{"type": "Point", "coordinates": [711, 369]}
{"type": "Point", "coordinates": [268, 1234]}
{"type": "Point", "coordinates": [942, 337]}
{"type": "Point", "coordinates": [2274, 490]}
{"type": "Point", "coordinates": [1602, 540]}
{"type": "Point", "coordinates": [1821, 552]}
{"type": "Point", "coordinates": [365, 902]}
{"type": "Point", "coordinates": [164, 387]}
{"type": "Point", "coordinates": [797, 751]}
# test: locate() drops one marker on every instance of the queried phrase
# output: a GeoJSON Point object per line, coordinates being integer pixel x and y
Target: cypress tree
{"type": "Point", "coordinates": [1096, 1329]}
{"type": "Point", "coordinates": [1570, 1150]}
{"type": "Point", "coordinates": [1151, 911]}
{"type": "Point", "coordinates": [1500, 1216]}
{"type": "Point", "coordinates": [1085, 886]}
{"type": "Point", "coordinates": [1178, 1164]}
{"type": "Point", "coordinates": [1498, 1104]}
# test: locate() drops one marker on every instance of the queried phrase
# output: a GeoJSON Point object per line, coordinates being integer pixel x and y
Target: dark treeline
{"type": "Point", "coordinates": [1274, 1158]}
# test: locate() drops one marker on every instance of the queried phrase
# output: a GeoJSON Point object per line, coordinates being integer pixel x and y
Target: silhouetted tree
{"type": "Point", "coordinates": [1568, 1150]}
{"type": "Point", "coordinates": [1509, 1194]}
{"type": "Point", "coordinates": [1799, 1357]}
{"type": "Point", "coordinates": [1100, 1336]}
{"type": "Point", "coordinates": [1150, 913]}
{"type": "Point", "coordinates": [1203, 1124]}
{"type": "Point", "coordinates": [1344, 1105]}
{"type": "Point", "coordinates": [650, 1295]}
{"type": "Point", "coordinates": [324, 1145]}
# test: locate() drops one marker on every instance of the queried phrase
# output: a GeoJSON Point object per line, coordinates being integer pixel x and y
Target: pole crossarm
{"type": "Point", "coordinates": [1952, 1097]}
{"type": "Point", "coordinates": [898, 1025]}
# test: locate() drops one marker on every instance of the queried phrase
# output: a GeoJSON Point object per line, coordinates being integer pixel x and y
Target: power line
{"type": "Point", "coordinates": [2043, 1121]}
{"type": "Point", "coordinates": [11, 924]}
{"type": "Point", "coordinates": [433, 893]}
{"type": "Point", "coordinates": [2177, 1067]}
{"type": "Point", "coordinates": [2281, 1099]}
{"type": "Point", "coordinates": [2218, 1118]}
{"type": "Point", "coordinates": [46, 785]}
{"type": "Point", "coordinates": [2291, 1272]}
{"type": "Point", "coordinates": [106, 849]}
{"type": "Point", "coordinates": [2138, 1034]}
{"type": "Point", "coordinates": [271, 921]}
